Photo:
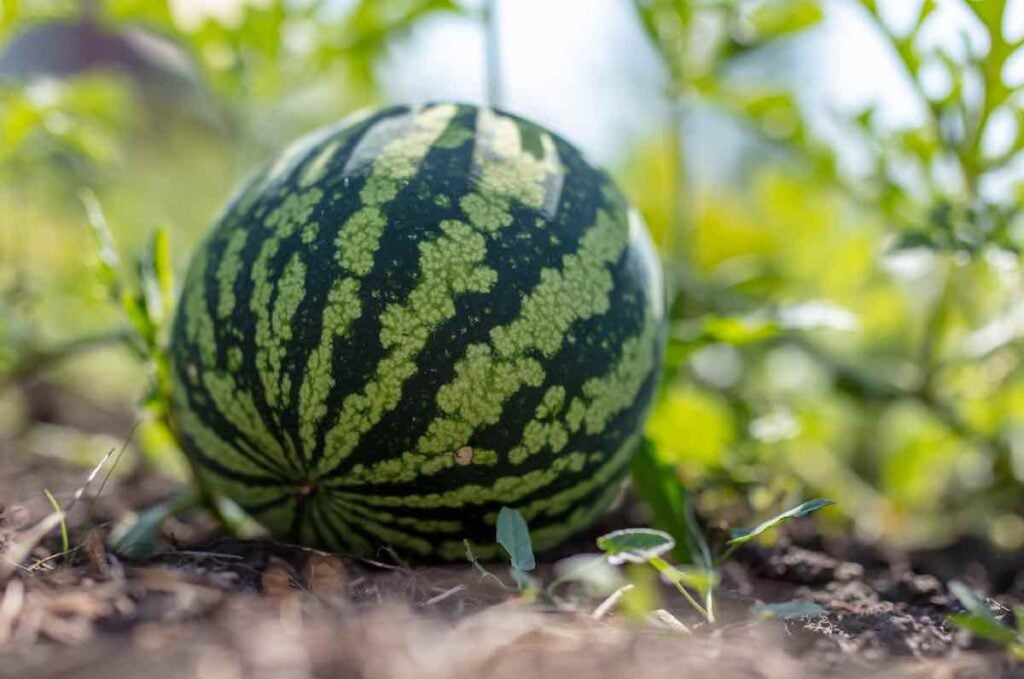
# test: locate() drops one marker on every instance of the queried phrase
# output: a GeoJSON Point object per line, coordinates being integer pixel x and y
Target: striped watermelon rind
{"type": "Point", "coordinates": [411, 319]}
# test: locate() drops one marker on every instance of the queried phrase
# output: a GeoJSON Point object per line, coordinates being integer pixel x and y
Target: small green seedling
{"type": "Point", "coordinates": [980, 621]}
{"type": "Point", "coordinates": [637, 547]}
{"type": "Point", "coordinates": [514, 536]}
{"type": "Point", "coordinates": [657, 484]}
{"type": "Point", "coordinates": [139, 541]}
{"type": "Point", "coordinates": [147, 302]}
{"type": "Point", "coordinates": [647, 545]}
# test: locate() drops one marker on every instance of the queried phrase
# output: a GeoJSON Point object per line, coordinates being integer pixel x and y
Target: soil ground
{"type": "Point", "coordinates": [206, 606]}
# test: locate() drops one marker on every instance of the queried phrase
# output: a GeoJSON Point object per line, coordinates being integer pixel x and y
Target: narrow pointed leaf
{"type": "Point", "coordinates": [738, 536]}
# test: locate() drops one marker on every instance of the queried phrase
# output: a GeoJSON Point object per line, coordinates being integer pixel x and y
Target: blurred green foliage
{"type": "Point", "coordinates": [846, 309]}
{"type": "Point", "coordinates": [852, 328]}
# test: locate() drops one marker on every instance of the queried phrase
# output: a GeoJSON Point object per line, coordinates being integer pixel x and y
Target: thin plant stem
{"type": "Point", "coordinates": [662, 566]}
{"type": "Point", "coordinates": [492, 53]}
{"type": "Point", "coordinates": [679, 238]}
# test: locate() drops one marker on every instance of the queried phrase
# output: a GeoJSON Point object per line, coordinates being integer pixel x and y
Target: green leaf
{"type": "Point", "coordinates": [140, 540]}
{"type": "Point", "coordinates": [782, 17]}
{"type": "Point", "coordinates": [514, 535]}
{"type": "Point", "coordinates": [133, 305]}
{"type": "Point", "coordinates": [157, 279]}
{"type": "Point", "coordinates": [984, 627]}
{"type": "Point", "coordinates": [738, 330]}
{"type": "Point", "coordinates": [107, 268]}
{"type": "Point", "coordinates": [635, 545]}
{"type": "Point", "coordinates": [969, 600]}
{"type": "Point", "coordinates": [739, 536]}
{"type": "Point", "coordinates": [788, 609]}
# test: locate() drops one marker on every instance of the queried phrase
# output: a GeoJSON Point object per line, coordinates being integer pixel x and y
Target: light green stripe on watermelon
{"type": "Point", "coordinates": [357, 242]}
{"type": "Point", "coordinates": [422, 525]}
{"type": "Point", "coordinates": [560, 502]}
{"type": "Point", "coordinates": [546, 536]}
{"type": "Point", "coordinates": [603, 398]}
{"type": "Point", "coordinates": [544, 430]}
{"type": "Point", "coordinates": [505, 489]}
{"type": "Point", "coordinates": [234, 404]}
{"type": "Point", "coordinates": [397, 162]}
{"type": "Point", "coordinates": [237, 407]}
{"type": "Point", "coordinates": [285, 220]}
{"type": "Point", "coordinates": [487, 376]}
{"type": "Point", "coordinates": [291, 288]}
{"type": "Point", "coordinates": [231, 455]}
{"type": "Point", "coordinates": [341, 310]}
{"type": "Point", "coordinates": [580, 290]}
{"type": "Point", "coordinates": [507, 172]}
{"type": "Point", "coordinates": [338, 533]}
{"type": "Point", "coordinates": [449, 266]}
{"type": "Point", "coordinates": [198, 324]}
{"type": "Point", "coordinates": [228, 268]}
{"type": "Point", "coordinates": [606, 396]}
{"type": "Point", "coordinates": [386, 535]}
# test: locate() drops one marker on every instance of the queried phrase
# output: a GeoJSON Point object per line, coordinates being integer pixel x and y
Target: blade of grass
{"type": "Point", "coordinates": [65, 541]}
{"type": "Point", "coordinates": [656, 484]}
{"type": "Point", "coordinates": [741, 536]}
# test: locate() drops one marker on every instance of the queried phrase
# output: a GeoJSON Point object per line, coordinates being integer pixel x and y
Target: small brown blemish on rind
{"type": "Point", "coordinates": [305, 489]}
{"type": "Point", "coordinates": [464, 455]}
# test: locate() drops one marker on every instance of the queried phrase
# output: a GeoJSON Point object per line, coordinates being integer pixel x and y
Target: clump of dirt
{"type": "Point", "coordinates": [213, 607]}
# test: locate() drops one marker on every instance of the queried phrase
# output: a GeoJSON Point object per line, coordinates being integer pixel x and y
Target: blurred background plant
{"type": "Point", "coordinates": [845, 274]}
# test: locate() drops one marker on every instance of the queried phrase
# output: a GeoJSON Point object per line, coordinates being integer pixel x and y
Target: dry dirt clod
{"type": "Point", "coordinates": [276, 580]}
{"type": "Point", "coordinates": [326, 576]}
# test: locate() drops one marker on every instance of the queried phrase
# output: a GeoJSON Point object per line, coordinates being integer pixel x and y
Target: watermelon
{"type": "Point", "coordinates": [411, 319]}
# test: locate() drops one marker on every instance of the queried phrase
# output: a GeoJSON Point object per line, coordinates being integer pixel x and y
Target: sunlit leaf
{"type": "Point", "coordinates": [981, 626]}
{"type": "Point", "coordinates": [739, 536]}
{"type": "Point", "coordinates": [782, 17]}
{"type": "Point", "coordinates": [635, 545]}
